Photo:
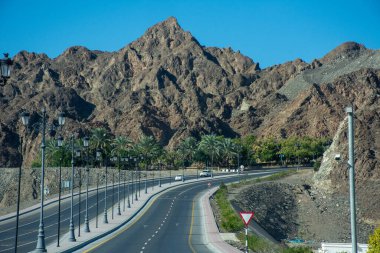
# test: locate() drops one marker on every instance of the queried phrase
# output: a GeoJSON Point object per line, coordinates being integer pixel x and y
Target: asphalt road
{"type": "Point", "coordinates": [173, 223]}
{"type": "Point", "coordinates": [28, 223]}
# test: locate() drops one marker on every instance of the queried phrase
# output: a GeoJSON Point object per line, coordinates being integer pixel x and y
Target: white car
{"type": "Point", "coordinates": [178, 178]}
{"type": "Point", "coordinates": [205, 173]}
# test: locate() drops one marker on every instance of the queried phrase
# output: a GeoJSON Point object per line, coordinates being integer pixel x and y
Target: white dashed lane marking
{"type": "Point", "coordinates": [156, 232]}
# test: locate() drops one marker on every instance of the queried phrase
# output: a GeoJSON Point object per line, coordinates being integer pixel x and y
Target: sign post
{"type": "Point", "coordinates": [240, 172]}
{"type": "Point", "coordinates": [246, 217]}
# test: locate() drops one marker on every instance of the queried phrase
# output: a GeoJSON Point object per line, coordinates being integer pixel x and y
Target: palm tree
{"type": "Point", "coordinates": [210, 145]}
{"type": "Point", "coordinates": [100, 140]}
{"type": "Point", "coordinates": [188, 148]}
{"type": "Point", "coordinates": [150, 150]}
{"type": "Point", "coordinates": [186, 151]}
{"type": "Point", "coordinates": [119, 148]}
{"type": "Point", "coordinates": [229, 150]}
{"type": "Point", "coordinates": [170, 158]}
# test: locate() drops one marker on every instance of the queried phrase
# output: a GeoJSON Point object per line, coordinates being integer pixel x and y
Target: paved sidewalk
{"type": "Point", "coordinates": [213, 238]}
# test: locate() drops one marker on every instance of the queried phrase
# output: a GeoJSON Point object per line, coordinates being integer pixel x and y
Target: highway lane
{"type": "Point", "coordinates": [173, 223]}
{"type": "Point", "coordinates": [28, 224]}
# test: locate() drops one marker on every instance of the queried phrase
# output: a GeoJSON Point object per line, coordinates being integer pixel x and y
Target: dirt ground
{"type": "Point", "coordinates": [291, 208]}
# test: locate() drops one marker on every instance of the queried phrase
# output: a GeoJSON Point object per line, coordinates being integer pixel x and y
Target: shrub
{"type": "Point", "coordinates": [258, 244]}
{"type": "Point", "coordinates": [231, 222]}
{"type": "Point", "coordinates": [374, 242]}
{"type": "Point", "coordinates": [317, 164]}
{"type": "Point", "coordinates": [298, 250]}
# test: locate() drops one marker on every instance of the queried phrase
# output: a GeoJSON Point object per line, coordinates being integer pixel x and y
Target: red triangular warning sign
{"type": "Point", "coordinates": [246, 217]}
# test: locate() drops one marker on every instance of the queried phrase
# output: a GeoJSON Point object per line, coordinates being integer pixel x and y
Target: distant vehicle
{"type": "Point", "coordinates": [205, 173]}
{"type": "Point", "coordinates": [178, 178]}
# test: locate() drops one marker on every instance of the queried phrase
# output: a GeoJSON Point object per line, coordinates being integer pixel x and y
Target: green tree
{"type": "Point", "coordinates": [172, 159]}
{"type": "Point", "coordinates": [101, 140]}
{"type": "Point", "coordinates": [54, 153]}
{"type": "Point", "coordinates": [246, 143]}
{"type": "Point", "coordinates": [374, 242]}
{"type": "Point", "coordinates": [210, 145]}
{"type": "Point", "coordinates": [119, 147]}
{"type": "Point", "coordinates": [266, 150]}
{"type": "Point", "coordinates": [228, 150]}
{"type": "Point", "coordinates": [187, 149]}
{"type": "Point", "coordinates": [149, 148]}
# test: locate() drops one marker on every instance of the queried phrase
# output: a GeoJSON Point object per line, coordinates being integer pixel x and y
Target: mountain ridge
{"type": "Point", "coordinates": [168, 85]}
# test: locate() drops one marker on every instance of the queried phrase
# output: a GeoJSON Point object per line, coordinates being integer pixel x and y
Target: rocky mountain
{"type": "Point", "coordinates": [168, 85]}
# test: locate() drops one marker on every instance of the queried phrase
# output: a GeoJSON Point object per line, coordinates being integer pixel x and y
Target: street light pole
{"type": "Point", "coordinates": [170, 175]}
{"type": "Point", "coordinates": [153, 179]}
{"type": "Point", "coordinates": [79, 195]}
{"type": "Point", "coordinates": [129, 184]}
{"type": "Point", "coordinates": [60, 141]}
{"type": "Point", "coordinates": [159, 167]}
{"type": "Point", "coordinates": [71, 227]}
{"type": "Point", "coordinates": [86, 220]}
{"type": "Point", "coordinates": [98, 157]}
{"type": "Point", "coordinates": [18, 195]}
{"type": "Point", "coordinates": [61, 122]}
{"type": "Point", "coordinates": [132, 186]}
{"type": "Point", "coordinates": [25, 122]}
{"type": "Point", "coordinates": [124, 178]}
{"type": "Point", "coordinates": [97, 199]}
{"type": "Point", "coordinates": [183, 170]}
{"type": "Point", "coordinates": [146, 173]}
{"type": "Point", "coordinates": [140, 178]}
{"type": "Point", "coordinates": [40, 247]}
{"type": "Point", "coordinates": [118, 188]}
{"type": "Point", "coordinates": [105, 219]}
{"type": "Point", "coordinates": [113, 192]}
{"type": "Point", "coordinates": [135, 159]}
{"type": "Point", "coordinates": [41, 232]}
{"type": "Point", "coordinates": [351, 165]}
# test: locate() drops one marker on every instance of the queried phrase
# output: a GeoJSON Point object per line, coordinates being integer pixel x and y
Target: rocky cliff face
{"type": "Point", "coordinates": [167, 84]}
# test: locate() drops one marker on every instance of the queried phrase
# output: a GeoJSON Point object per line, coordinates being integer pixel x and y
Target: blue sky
{"type": "Point", "coordinates": [268, 31]}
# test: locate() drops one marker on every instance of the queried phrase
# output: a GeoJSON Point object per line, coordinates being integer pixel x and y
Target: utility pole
{"type": "Point", "coordinates": [351, 165]}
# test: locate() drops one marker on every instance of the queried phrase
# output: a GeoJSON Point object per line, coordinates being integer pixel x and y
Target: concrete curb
{"type": "Point", "coordinates": [55, 199]}
{"type": "Point", "coordinates": [212, 233]}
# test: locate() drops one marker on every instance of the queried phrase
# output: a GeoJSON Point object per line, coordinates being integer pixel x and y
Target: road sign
{"type": "Point", "coordinates": [246, 217]}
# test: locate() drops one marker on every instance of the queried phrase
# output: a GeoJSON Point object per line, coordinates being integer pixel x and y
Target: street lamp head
{"type": "Point", "coordinates": [77, 152]}
{"type": "Point", "coordinates": [61, 119]}
{"type": "Point", "coordinates": [98, 154]}
{"type": "Point", "coordinates": [60, 141]}
{"type": "Point", "coordinates": [86, 141]}
{"type": "Point", "coordinates": [5, 68]}
{"type": "Point", "coordinates": [25, 116]}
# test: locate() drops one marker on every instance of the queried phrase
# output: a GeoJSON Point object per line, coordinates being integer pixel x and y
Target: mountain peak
{"type": "Point", "coordinates": [170, 22]}
{"type": "Point", "coordinates": [348, 49]}
{"type": "Point", "coordinates": [166, 28]}
{"type": "Point", "coordinates": [164, 36]}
